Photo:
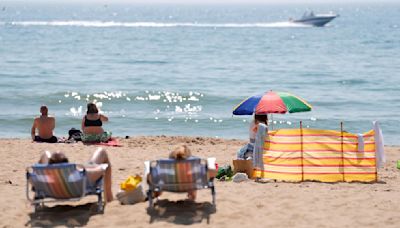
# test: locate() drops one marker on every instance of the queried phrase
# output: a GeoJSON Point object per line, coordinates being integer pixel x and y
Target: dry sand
{"type": "Point", "coordinates": [246, 204]}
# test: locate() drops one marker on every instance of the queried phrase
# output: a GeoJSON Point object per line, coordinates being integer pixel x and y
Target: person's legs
{"type": "Point", "coordinates": [100, 157]}
{"type": "Point", "coordinates": [106, 136]}
{"type": "Point", "coordinates": [211, 173]}
{"type": "Point", "coordinates": [241, 152]}
{"type": "Point", "coordinates": [192, 195]}
{"type": "Point", "coordinates": [44, 158]}
{"type": "Point", "coordinates": [37, 139]}
{"type": "Point", "coordinates": [53, 139]}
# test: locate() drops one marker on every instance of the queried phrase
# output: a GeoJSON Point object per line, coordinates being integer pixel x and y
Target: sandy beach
{"type": "Point", "coordinates": [246, 204]}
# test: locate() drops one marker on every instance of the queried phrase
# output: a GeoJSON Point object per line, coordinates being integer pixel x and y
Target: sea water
{"type": "Point", "coordinates": [181, 69]}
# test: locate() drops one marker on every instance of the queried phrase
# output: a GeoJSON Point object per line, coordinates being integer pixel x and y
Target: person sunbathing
{"type": "Point", "coordinates": [181, 153]}
{"type": "Point", "coordinates": [45, 126]}
{"type": "Point", "coordinates": [93, 168]}
{"type": "Point", "coordinates": [92, 124]}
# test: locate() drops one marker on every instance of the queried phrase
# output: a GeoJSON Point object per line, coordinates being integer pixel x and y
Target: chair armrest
{"type": "Point", "coordinates": [146, 167]}
{"type": "Point", "coordinates": [146, 172]}
{"type": "Point", "coordinates": [211, 169]}
{"type": "Point", "coordinates": [211, 163]}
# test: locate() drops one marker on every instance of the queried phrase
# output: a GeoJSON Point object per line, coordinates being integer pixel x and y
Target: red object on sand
{"type": "Point", "coordinates": [111, 142]}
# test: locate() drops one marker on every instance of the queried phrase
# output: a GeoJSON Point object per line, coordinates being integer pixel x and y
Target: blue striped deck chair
{"type": "Point", "coordinates": [60, 182]}
{"type": "Point", "coordinates": [178, 176]}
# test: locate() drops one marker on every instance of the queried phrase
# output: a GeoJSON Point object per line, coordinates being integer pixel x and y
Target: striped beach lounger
{"type": "Point", "coordinates": [60, 182]}
{"type": "Point", "coordinates": [179, 176]}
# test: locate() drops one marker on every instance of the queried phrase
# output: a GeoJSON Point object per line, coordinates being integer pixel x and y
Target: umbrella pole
{"type": "Point", "coordinates": [272, 122]}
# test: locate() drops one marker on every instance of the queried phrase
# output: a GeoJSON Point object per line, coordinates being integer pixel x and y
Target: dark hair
{"type": "Point", "coordinates": [58, 157]}
{"type": "Point", "coordinates": [44, 110]}
{"type": "Point", "coordinates": [92, 108]}
{"type": "Point", "coordinates": [261, 118]}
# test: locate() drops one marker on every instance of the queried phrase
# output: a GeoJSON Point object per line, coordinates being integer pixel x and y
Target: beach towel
{"type": "Point", "coordinates": [379, 145]}
{"type": "Point", "coordinates": [111, 142]}
{"type": "Point", "coordinates": [259, 146]}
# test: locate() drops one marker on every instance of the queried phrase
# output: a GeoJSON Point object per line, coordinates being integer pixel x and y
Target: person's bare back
{"type": "Point", "coordinates": [45, 126]}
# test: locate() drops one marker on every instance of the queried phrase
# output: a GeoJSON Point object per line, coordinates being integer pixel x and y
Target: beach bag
{"type": "Point", "coordinates": [224, 172]}
{"type": "Point", "coordinates": [243, 166]}
{"type": "Point", "coordinates": [131, 191]}
{"type": "Point", "coordinates": [75, 134]}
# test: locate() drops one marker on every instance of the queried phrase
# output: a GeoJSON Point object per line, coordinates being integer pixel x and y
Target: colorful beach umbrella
{"type": "Point", "coordinates": [272, 102]}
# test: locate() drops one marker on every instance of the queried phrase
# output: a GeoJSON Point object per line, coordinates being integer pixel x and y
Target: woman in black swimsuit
{"type": "Point", "coordinates": [92, 124]}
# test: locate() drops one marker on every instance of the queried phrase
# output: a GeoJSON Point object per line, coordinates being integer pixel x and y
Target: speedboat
{"type": "Point", "coordinates": [317, 20]}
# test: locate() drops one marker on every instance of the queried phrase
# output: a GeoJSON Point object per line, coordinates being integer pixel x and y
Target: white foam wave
{"type": "Point", "coordinates": [283, 24]}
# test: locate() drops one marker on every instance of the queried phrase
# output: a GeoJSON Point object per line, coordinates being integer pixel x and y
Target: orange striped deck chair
{"type": "Point", "coordinates": [318, 155]}
{"type": "Point", "coordinates": [179, 176]}
{"type": "Point", "coordinates": [60, 182]}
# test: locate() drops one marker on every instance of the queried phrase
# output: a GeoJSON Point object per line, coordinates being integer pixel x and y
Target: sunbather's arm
{"type": "Point", "coordinates": [33, 129]}
{"type": "Point", "coordinates": [83, 124]}
{"type": "Point", "coordinates": [53, 123]}
{"type": "Point", "coordinates": [103, 118]}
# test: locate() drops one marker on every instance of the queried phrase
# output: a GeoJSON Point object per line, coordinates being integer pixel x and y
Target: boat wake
{"type": "Point", "coordinates": [284, 24]}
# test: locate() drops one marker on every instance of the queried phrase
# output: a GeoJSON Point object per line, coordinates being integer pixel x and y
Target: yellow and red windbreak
{"type": "Point", "coordinates": [318, 155]}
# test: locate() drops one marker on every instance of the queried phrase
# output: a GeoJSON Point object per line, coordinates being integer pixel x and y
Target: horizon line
{"type": "Point", "coordinates": [199, 2]}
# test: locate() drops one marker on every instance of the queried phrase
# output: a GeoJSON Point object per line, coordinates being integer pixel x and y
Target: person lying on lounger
{"type": "Point", "coordinates": [92, 124]}
{"type": "Point", "coordinates": [93, 167]}
{"type": "Point", "coordinates": [181, 153]}
{"type": "Point", "coordinates": [45, 126]}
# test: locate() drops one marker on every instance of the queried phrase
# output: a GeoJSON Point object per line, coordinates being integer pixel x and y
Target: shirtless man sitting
{"type": "Point", "coordinates": [45, 126]}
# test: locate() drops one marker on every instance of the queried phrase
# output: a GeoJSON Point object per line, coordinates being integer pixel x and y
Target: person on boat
{"type": "Point", "coordinates": [92, 124]}
{"type": "Point", "coordinates": [44, 124]}
{"type": "Point", "coordinates": [94, 168]}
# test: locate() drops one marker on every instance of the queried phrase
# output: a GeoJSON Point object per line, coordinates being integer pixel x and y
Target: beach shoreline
{"type": "Point", "coordinates": [246, 204]}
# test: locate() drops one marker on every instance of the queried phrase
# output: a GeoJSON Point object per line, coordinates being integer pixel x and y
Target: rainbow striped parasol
{"type": "Point", "coordinates": [272, 102]}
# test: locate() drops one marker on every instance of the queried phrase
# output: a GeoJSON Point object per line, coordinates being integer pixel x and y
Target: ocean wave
{"type": "Point", "coordinates": [283, 24]}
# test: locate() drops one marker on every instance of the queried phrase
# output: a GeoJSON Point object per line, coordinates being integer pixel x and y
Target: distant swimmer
{"type": "Point", "coordinates": [45, 126]}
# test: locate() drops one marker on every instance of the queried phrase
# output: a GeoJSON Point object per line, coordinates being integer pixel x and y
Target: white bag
{"type": "Point", "coordinates": [131, 197]}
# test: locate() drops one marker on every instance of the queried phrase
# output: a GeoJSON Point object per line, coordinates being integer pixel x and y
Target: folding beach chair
{"type": "Point", "coordinates": [60, 182]}
{"type": "Point", "coordinates": [178, 176]}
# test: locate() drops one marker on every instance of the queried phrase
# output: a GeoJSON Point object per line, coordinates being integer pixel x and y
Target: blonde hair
{"type": "Point", "coordinates": [180, 153]}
